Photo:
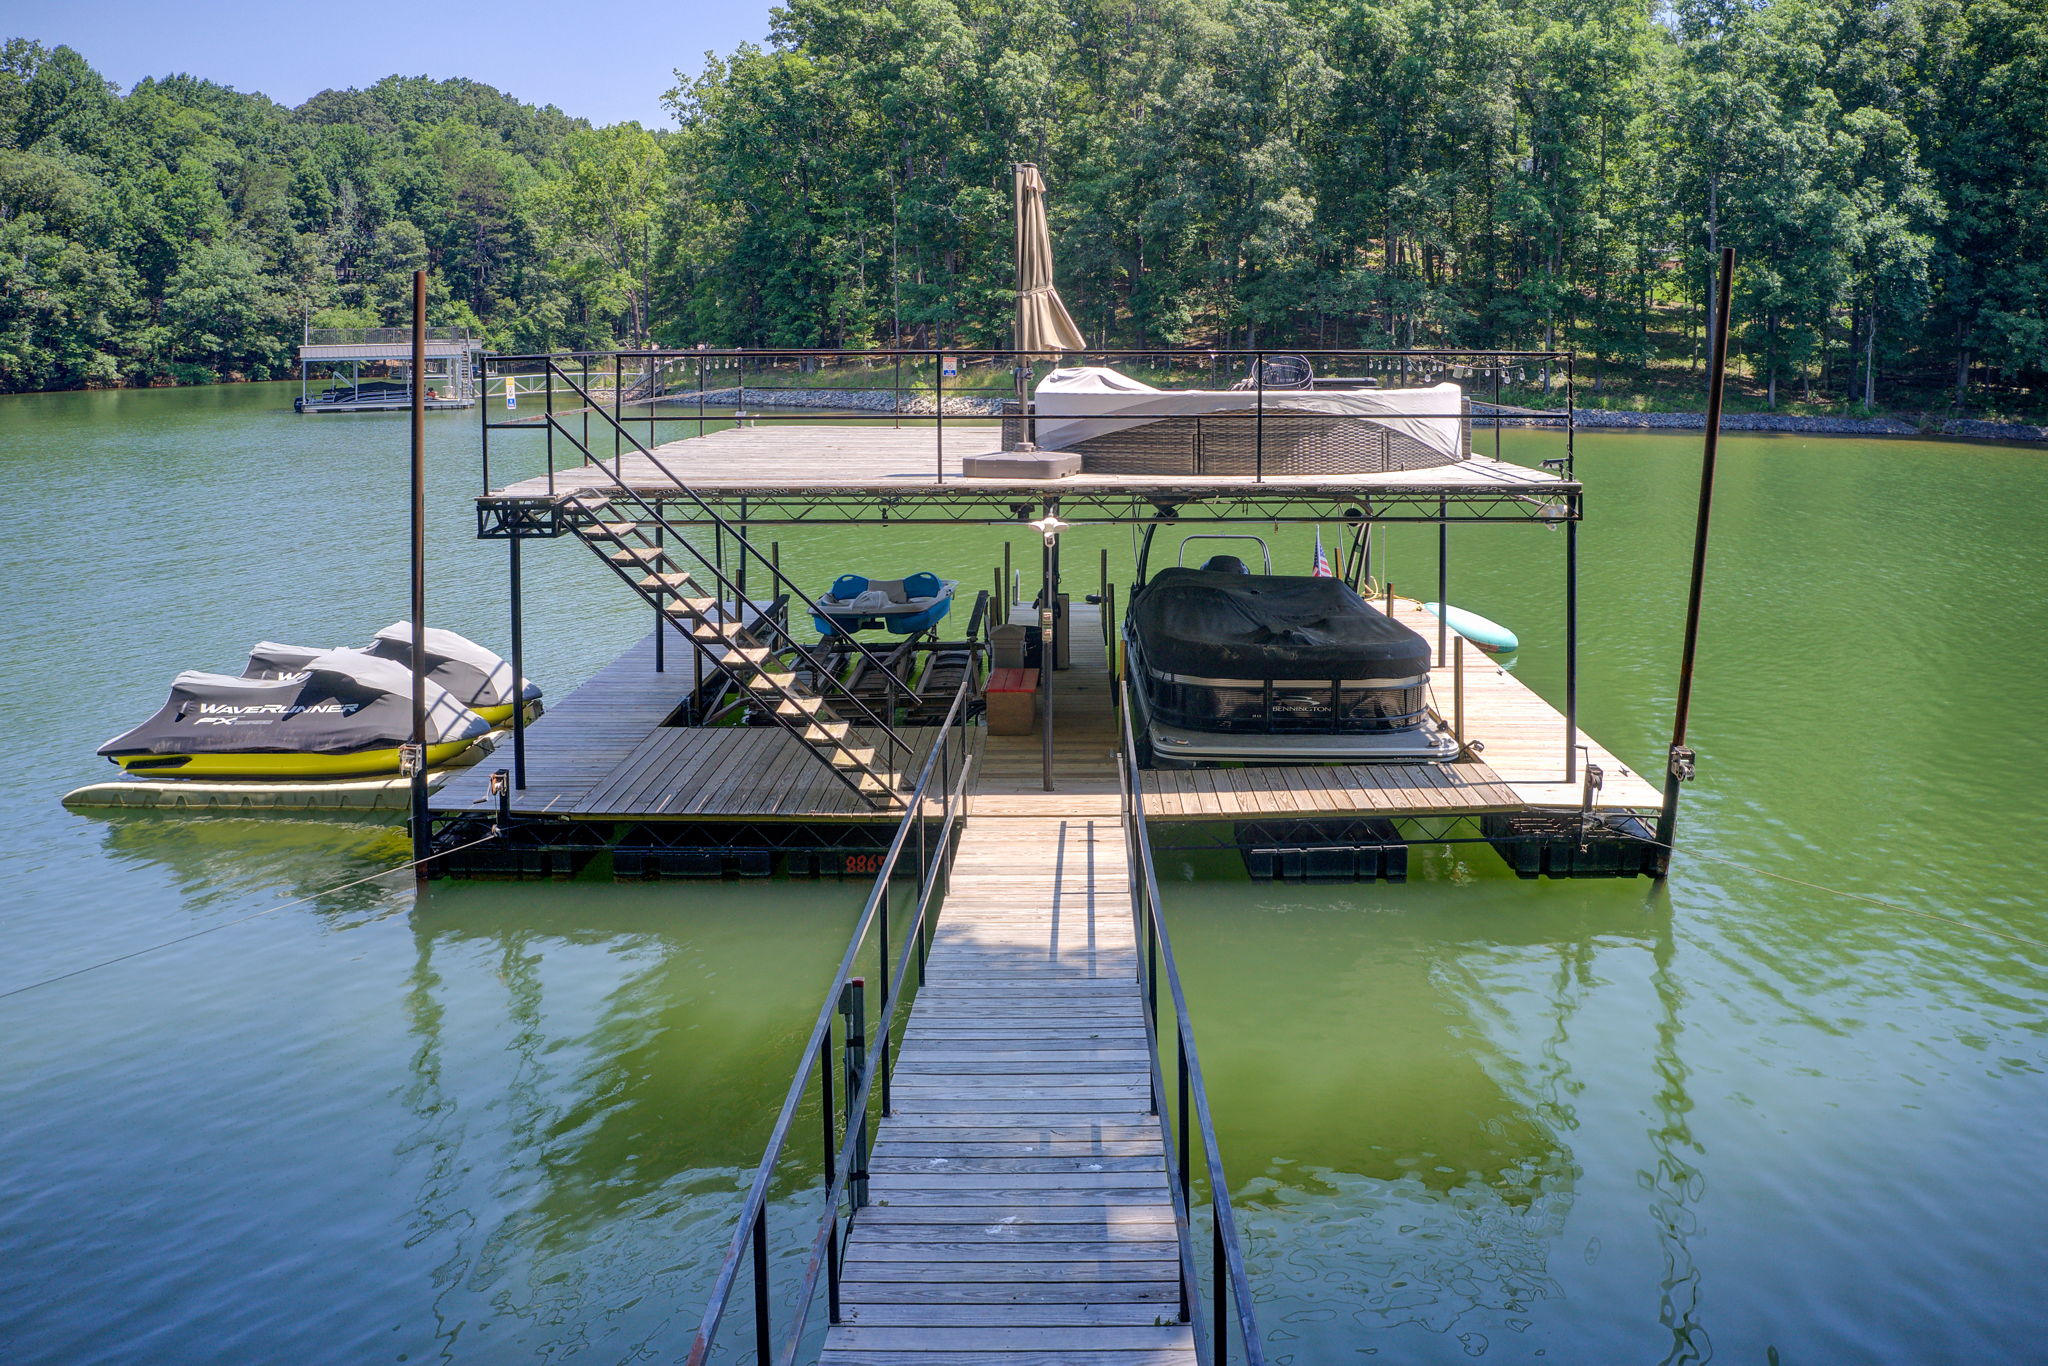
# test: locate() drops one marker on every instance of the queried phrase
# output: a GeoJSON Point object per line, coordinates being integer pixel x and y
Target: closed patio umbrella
{"type": "Point", "coordinates": [1043, 323]}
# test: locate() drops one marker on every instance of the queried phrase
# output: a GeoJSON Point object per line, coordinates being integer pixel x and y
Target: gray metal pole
{"type": "Point", "coordinates": [1679, 762]}
{"type": "Point", "coordinates": [421, 836]}
{"type": "Point", "coordinates": [518, 671]}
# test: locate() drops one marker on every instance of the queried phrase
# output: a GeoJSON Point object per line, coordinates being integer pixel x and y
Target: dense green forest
{"type": "Point", "coordinates": [1224, 172]}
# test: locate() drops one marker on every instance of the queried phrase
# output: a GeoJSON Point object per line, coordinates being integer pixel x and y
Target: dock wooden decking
{"type": "Point", "coordinates": [1020, 1213]}
{"type": "Point", "coordinates": [604, 751]}
{"type": "Point", "coordinates": [814, 459]}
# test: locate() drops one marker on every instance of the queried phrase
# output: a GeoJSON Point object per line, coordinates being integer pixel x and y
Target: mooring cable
{"type": "Point", "coordinates": [243, 920]}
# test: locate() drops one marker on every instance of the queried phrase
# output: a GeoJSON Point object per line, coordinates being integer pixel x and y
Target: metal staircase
{"type": "Point", "coordinates": [760, 656]}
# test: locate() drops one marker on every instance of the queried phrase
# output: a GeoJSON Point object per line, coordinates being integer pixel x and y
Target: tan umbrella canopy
{"type": "Point", "coordinates": [1043, 323]}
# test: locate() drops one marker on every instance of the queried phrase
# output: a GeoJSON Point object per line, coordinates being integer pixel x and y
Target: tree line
{"type": "Point", "coordinates": [1407, 173]}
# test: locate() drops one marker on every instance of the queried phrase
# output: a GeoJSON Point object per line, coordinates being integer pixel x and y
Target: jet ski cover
{"type": "Point", "coordinates": [1207, 625]}
{"type": "Point", "coordinates": [271, 660]}
{"type": "Point", "coordinates": [477, 676]}
{"type": "Point", "coordinates": [345, 701]}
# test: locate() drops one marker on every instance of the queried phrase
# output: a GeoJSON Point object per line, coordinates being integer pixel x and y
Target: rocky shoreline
{"type": "Point", "coordinates": [885, 401]}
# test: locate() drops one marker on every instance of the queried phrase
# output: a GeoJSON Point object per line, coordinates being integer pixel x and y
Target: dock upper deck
{"type": "Point", "coordinates": [864, 459]}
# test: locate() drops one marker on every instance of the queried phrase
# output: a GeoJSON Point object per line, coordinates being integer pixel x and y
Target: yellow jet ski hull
{"type": "Point", "coordinates": [363, 763]}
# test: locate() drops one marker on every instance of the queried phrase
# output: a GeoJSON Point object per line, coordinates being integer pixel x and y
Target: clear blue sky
{"type": "Point", "coordinates": [602, 60]}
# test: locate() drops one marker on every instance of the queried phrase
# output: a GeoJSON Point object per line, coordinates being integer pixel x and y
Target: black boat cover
{"type": "Point", "coordinates": [343, 702]}
{"type": "Point", "coordinates": [1206, 625]}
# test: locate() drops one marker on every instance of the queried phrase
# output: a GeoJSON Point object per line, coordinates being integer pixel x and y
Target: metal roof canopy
{"type": "Point", "coordinates": [436, 350]}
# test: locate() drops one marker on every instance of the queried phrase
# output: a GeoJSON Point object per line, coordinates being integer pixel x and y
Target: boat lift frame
{"type": "Point", "coordinates": [636, 398]}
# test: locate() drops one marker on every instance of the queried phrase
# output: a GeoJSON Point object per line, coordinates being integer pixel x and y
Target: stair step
{"type": "Point", "coordinates": [853, 756]}
{"type": "Point", "coordinates": [610, 531]}
{"type": "Point", "coordinates": [668, 583]}
{"type": "Point", "coordinates": [692, 609]}
{"type": "Point", "coordinates": [802, 706]}
{"type": "Point", "coordinates": [764, 681]}
{"type": "Point", "coordinates": [590, 502]}
{"type": "Point", "coordinates": [820, 732]}
{"type": "Point", "coordinates": [638, 554]}
{"type": "Point", "coordinates": [715, 629]}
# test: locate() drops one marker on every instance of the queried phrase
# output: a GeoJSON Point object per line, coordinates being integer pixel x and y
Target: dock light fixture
{"type": "Point", "coordinates": [1050, 527]}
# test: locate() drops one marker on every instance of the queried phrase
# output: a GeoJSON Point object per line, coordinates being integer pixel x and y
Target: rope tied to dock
{"type": "Point", "coordinates": [408, 866]}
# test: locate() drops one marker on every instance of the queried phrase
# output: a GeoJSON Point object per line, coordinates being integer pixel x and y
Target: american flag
{"type": "Point", "coordinates": [1322, 569]}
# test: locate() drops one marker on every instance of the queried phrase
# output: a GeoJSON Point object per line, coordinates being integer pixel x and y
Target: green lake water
{"type": "Point", "coordinates": [1732, 1118]}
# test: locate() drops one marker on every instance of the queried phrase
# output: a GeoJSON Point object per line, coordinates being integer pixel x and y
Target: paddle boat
{"type": "Point", "coordinates": [341, 714]}
{"type": "Point", "coordinates": [906, 606]}
{"type": "Point", "coordinates": [1231, 667]}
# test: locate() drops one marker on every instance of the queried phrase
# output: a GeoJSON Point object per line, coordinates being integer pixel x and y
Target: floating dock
{"type": "Point", "coordinates": [610, 771]}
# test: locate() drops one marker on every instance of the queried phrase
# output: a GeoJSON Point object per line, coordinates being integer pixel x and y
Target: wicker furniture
{"type": "Point", "coordinates": [1230, 443]}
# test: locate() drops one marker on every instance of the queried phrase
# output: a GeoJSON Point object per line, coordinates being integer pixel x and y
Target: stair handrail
{"type": "Point", "coordinates": [746, 547]}
{"type": "Point", "coordinates": [750, 1236]}
{"type": "Point", "coordinates": [1226, 1240]}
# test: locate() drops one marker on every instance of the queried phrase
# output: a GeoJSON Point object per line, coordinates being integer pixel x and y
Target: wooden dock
{"type": "Point", "coordinates": [1020, 1213]}
{"type": "Point", "coordinates": [607, 752]}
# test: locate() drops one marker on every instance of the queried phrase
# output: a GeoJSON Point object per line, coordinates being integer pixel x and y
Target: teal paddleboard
{"type": "Point", "coordinates": [1489, 636]}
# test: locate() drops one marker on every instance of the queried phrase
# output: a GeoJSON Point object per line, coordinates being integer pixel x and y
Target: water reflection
{"type": "Point", "coordinates": [225, 860]}
{"type": "Point", "coordinates": [1412, 1090]}
{"type": "Point", "coordinates": [582, 1192]}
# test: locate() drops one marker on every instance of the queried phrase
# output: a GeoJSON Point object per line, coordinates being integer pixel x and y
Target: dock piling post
{"type": "Point", "coordinates": [518, 664]}
{"type": "Point", "coordinates": [1443, 577]}
{"type": "Point", "coordinates": [422, 837]}
{"type": "Point", "coordinates": [1679, 761]}
{"type": "Point", "coordinates": [1458, 695]}
{"type": "Point", "coordinates": [1571, 650]}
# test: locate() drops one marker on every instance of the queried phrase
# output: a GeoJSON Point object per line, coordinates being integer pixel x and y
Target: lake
{"type": "Point", "coordinates": [1732, 1117]}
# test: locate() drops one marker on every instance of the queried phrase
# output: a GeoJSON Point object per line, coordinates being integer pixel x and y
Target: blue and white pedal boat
{"type": "Point", "coordinates": [916, 602]}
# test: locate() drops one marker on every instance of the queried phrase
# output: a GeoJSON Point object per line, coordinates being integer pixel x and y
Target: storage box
{"type": "Point", "coordinates": [1012, 701]}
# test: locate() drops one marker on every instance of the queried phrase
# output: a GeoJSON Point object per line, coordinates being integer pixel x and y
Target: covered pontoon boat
{"type": "Point", "coordinates": [343, 715]}
{"type": "Point", "coordinates": [478, 678]}
{"type": "Point", "coordinates": [1268, 668]}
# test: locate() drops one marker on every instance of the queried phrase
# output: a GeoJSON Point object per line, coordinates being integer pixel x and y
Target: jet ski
{"type": "Point", "coordinates": [343, 714]}
{"type": "Point", "coordinates": [905, 606]}
{"type": "Point", "coordinates": [479, 679]}
{"type": "Point", "coordinates": [1231, 667]}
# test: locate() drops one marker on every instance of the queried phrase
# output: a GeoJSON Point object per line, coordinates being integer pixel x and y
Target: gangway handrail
{"type": "Point", "coordinates": [1226, 1248]}
{"type": "Point", "coordinates": [845, 1162]}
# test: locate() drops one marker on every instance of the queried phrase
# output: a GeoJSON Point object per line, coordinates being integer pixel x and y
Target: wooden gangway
{"type": "Point", "coordinates": [1015, 1198]}
{"type": "Point", "coordinates": [1019, 1208]}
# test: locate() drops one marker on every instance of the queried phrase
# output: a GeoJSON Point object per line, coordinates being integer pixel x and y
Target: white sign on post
{"type": "Point", "coordinates": [949, 367]}
{"type": "Point", "coordinates": [511, 394]}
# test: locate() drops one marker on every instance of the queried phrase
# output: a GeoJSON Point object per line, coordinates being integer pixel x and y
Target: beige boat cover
{"type": "Point", "coordinates": [1043, 323]}
{"type": "Point", "coordinates": [1084, 401]}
